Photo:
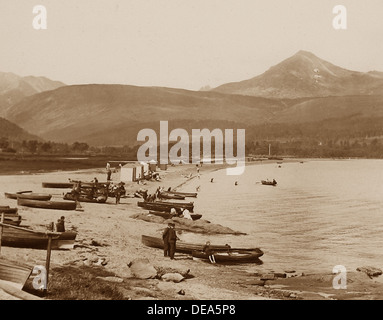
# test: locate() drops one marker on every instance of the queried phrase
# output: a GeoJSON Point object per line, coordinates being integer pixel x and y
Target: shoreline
{"type": "Point", "coordinates": [111, 226]}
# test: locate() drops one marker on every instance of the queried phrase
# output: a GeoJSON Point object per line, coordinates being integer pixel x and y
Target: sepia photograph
{"type": "Point", "coordinates": [195, 157]}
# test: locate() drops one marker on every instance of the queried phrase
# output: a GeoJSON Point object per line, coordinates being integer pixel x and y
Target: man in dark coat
{"type": "Point", "coordinates": [60, 225]}
{"type": "Point", "coordinates": [170, 238]}
{"type": "Point", "coordinates": [172, 241]}
{"type": "Point", "coordinates": [165, 238]}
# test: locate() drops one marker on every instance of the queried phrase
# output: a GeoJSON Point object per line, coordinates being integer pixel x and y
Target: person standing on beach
{"type": "Point", "coordinates": [108, 172]}
{"type": "Point", "coordinates": [76, 191]}
{"type": "Point", "coordinates": [165, 238]}
{"type": "Point", "coordinates": [172, 241]}
{"type": "Point", "coordinates": [117, 192]}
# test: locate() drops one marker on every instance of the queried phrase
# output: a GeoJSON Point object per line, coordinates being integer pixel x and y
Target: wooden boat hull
{"type": "Point", "coordinates": [185, 247]}
{"type": "Point", "coordinates": [167, 215]}
{"type": "Point", "coordinates": [30, 196]}
{"type": "Point", "coordinates": [166, 195]}
{"type": "Point", "coordinates": [58, 185]}
{"type": "Point", "coordinates": [268, 183]}
{"type": "Point", "coordinates": [35, 196]}
{"type": "Point", "coordinates": [19, 237]}
{"type": "Point", "coordinates": [57, 205]}
{"type": "Point", "coordinates": [232, 257]}
{"type": "Point", "coordinates": [185, 194]}
{"type": "Point", "coordinates": [10, 195]}
{"type": "Point", "coordinates": [12, 222]}
{"type": "Point", "coordinates": [8, 210]}
{"type": "Point", "coordinates": [166, 206]}
{"type": "Point", "coordinates": [101, 199]}
{"type": "Point", "coordinates": [14, 273]}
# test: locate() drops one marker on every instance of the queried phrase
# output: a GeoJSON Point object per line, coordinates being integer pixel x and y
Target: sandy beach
{"type": "Point", "coordinates": [109, 238]}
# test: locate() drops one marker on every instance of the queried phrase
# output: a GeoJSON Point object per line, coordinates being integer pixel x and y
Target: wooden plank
{"type": "Point", "coordinates": [16, 293]}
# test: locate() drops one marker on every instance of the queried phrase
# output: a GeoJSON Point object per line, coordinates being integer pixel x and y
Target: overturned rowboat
{"type": "Point", "coordinates": [57, 205]}
{"type": "Point", "coordinates": [28, 195]}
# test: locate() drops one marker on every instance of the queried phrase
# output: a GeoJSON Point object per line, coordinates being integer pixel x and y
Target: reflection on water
{"type": "Point", "coordinates": [321, 213]}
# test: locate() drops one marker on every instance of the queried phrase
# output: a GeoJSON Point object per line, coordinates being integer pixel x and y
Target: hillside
{"type": "Point", "coordinates": [300, 93]}
{"type": "Point", "coordinates": [306, 75]}
{"type": "Point", "coordinates": [14, 88]}
{"type": "Point", "coordinates": [11, 131]}
{"type": "Point", "coordinates": [113, 114]}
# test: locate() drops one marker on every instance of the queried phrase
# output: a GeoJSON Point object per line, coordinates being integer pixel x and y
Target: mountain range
{"type": "Point", "coordinates": [14, 88]}
{"type": "Point", "coordinates": [301, 89]}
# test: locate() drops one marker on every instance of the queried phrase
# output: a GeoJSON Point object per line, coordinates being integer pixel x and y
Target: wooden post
{"type": "Point", "coordinates": [48, 259]}
{"type": "Point", "coordinates": [1, 229]}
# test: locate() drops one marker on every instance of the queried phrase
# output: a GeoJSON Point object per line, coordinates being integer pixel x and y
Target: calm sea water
{"type": "Point", "coordinates": [321, 213]}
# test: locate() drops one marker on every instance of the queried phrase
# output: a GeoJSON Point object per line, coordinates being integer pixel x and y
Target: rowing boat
{"type": "Point", "coordinates": [232, 256]}
{"type": "Point", "coordinates": [185, 194]}
{"type": "Point", "coordinates": [186, 247]}
{"type": "Point", "coordinates": [21, 237]}
{"type": "Point", "coordinates": [8, 210]}
{"type": "Point", "coordinates": [169, 195]}
{"type": "Point", "coordinates": [14, 220]}
{"type": "Point", "coordinates": [166, 206]}
{"type": "Point", "coordinates": [168, 215]}
{"type": "Point", "coordinates": [58, 185]}
{"type": "Point", "coordinates": [14, 196]}
{"type": "Point", "coordinates": [14, 273]}
{"type": "Point", "coordinates": [269, 183]}
{"type": "Point", "coordinates": [29, 196]}
{"type": "Point", "coordinates": [58, 205]}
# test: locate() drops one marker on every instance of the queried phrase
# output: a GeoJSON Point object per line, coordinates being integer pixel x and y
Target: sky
{"type": "Point", "coordinates": [183, 43]}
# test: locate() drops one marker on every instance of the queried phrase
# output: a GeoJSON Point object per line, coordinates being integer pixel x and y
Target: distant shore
{"type": "Point", "coordinates": [119, 239]}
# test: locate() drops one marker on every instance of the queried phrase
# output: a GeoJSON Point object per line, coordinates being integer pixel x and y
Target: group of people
{"type": "Point", "coordinates": [182, 213]}
{"type": "Point", "coordinates": [117, 190]}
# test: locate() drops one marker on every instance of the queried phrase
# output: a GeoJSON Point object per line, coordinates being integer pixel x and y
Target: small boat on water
{"type": "Point", "coordinates": [232, 256]}
{"type": "Point", "coordinates": [30, 196]}
{"type": "Point", "coordinates": [167, 215]}
{"type": "Point", "coordinates": [58, 205]}
{"type": "Point", "coordinates": [14, 273]}
{"type": "Point", "coordinates": [186, 247]}
{"type": "Point", "coordinates": [269, 183]}
{"type": "Point", "coordinates": [21, 237]}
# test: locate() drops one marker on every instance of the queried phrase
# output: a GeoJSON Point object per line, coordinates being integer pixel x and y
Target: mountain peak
{"type": "Point", "coordinates": [305, 75]}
